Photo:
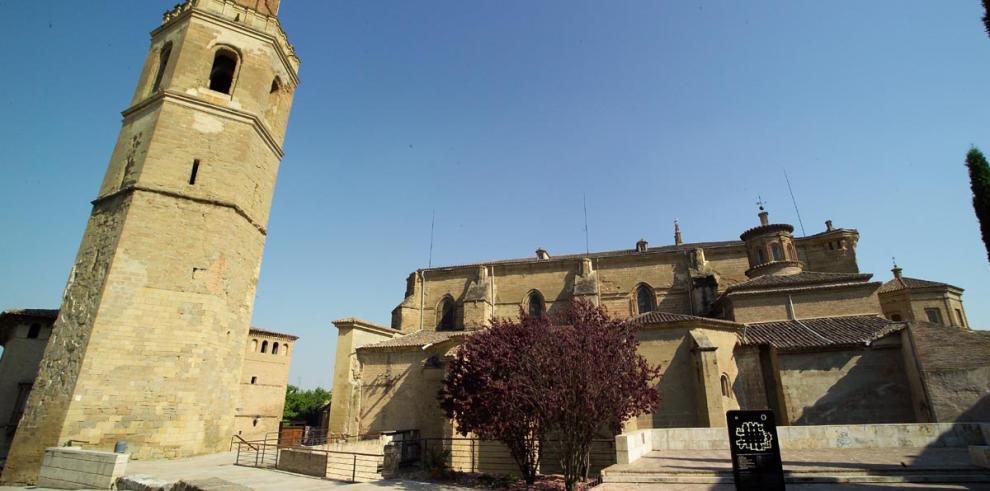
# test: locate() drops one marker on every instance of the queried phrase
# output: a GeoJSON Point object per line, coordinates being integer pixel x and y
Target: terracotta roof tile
{"type": "Point", "coordinates": [799, 279]}
{"type": "Point", "coordinates": [819, 333]}
{"type": "Point", "coordinates": [950, 348]}
{"type": "Point", "coordinates": [266, 332]}
{"type": "Point", "coordinates": [903, 283]}
{"type": "Point", "coordinates": [657, 317]}
{"type": "Point", "coordinates": [418, 339]}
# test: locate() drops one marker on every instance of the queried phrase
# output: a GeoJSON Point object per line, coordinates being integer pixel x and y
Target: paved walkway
{"type": "Point", "coordinates": [795, 487]}
{"type": "Point", "coordinates": [222, 466]}
{"type": "Point", "coordinates": [838, 461]}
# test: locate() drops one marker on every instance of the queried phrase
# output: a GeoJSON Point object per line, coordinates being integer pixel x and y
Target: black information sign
{"type": "Point", "coordinates": [755, 450]}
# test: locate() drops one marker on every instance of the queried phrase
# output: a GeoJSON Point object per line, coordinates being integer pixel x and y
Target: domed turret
{"type": "Point", "coordinates": [770, 248]}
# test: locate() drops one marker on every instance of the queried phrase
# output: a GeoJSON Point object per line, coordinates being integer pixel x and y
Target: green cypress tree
{"type": "Point", "coordinates": [979, 181]}
{"type": "Point", "coordinates": [986, 15]}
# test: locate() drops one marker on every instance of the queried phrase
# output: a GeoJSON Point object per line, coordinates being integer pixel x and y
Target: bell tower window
{"type": "Point", "coordinates": [162, 63]}
{"type": "Point", "coordinates": [222, 73]}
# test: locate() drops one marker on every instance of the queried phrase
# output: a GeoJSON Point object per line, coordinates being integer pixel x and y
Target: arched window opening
{"type": "Point", "coordinates": [761, 256]}
{"type": "Point", "coordinates": [276, 86]}
{"type": "Point", "coordinates": [536, 306]}
{"type": "Point", "coordinates": [777, 252]}
{"type": "Point", "coordinates": [645, 299]}
{"type": "Point", "coordinates": [222, 73]}
{"type": "Point", "coordinates": [274, 348]}
{"type": "Point", "coordinates": [34, 331]}
{"type": "Point", "coordinates": [285, 350]}
{"type": "Point", "coordinates": [162, 63]}
{"type": "Point", "coordinates": [264, 346]}
{"type": "Point", "coordinates": [725, 385]}
{"type": "Point", "coordinates": [254, 345]}
{"type": "Point", "coordinates": [446, 315]}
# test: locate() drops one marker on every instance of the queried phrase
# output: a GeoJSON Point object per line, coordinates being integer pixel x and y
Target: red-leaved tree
{"type": "Point", "coordinates": [601, 380]}
{"type": "Point", "coordinates": [518, 382]}
{"type": "Point", "coordinates": [493, 388]}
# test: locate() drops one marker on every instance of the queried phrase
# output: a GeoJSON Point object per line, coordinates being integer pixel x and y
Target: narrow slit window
{"type": "Point", "coordinates": [194, 172]}
{"type": "Point", "coordinates": [254, 380]}
{"type": "Point", "coordinates": [34, 331]}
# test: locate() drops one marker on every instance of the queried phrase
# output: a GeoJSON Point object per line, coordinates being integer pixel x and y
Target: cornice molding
{"type": "Point", "coordinates": [195, 102]}
{"type": "Point", "coordinates": [130, 189]}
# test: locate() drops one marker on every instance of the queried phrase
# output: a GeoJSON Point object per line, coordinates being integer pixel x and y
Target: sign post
{"type": "Point", "coordinates": [755, 449]}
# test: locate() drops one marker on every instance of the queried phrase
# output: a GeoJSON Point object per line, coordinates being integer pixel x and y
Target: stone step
{"type": "Point", "coordinates": [962, 475]}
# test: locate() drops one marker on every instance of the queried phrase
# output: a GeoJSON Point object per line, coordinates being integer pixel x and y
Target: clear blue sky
{"type": "Point", "coordinates": [499, 115]}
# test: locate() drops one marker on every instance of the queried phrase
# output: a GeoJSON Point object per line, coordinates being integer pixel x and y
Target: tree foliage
{"type": "Point", "coordinates": [979, 181]}
{"type": "Point", "coordinates": [305, 405]}
{"type": "Point", "coordinates": [494, 388]}
{"type": "Point", "coordinates": [570, 377]}
{"type": "Point", "coordinates": [986, 15]}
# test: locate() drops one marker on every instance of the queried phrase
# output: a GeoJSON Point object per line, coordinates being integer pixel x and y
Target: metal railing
{"type": "Point", "coordinates": [257, 453]}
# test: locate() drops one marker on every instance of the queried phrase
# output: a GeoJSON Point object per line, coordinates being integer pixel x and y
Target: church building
{"type": "Point", "coordinates": [769, 321]}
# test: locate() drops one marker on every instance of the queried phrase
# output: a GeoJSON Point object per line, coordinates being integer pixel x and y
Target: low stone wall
{"type": "Point", "coordinates": [301, 461]}
{"type": "Point", "coordinates": [358, 461]}
{"type": "Point", "coordinates": [632, 445]}
{"type": "Point", "coordinates": [74, 468]}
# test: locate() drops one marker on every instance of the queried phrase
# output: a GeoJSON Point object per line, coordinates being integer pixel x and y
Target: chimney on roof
{"type": "Point", "coordinates": [764, 216]}
{"type": "Point", "coordinates": [828, 226]}
{"type": "Point", "coordinates": [542, 254]}
{"type": "Point", "coordinates": [677, 233]}
{"type": "Point", "coordinates": [896, 270]}
{"type": "Point", "coordinates": [642, 245]}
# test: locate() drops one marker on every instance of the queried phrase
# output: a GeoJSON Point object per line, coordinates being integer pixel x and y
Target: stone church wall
{"type": "Point", "coordinates": [809, 305]}
{"type": "Point", "coordinates": [399, 393]}
{"type": "Point", "coordinates": [854, 386]}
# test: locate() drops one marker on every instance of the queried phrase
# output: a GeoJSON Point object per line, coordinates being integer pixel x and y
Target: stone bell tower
{"type": "Point", "coordinates": [150, 337]}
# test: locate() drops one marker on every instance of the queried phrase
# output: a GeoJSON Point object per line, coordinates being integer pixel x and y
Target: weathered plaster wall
{"type": "Point", "coordinates": [749, 385]}
{"type": "Point", "coordinates": [398, 392]}
{"type": "Point", "coordinates": [848, 386]}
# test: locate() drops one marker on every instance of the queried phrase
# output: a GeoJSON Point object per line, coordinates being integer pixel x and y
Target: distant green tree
{"type": "Point", "coordinates": [986, 15]}
{"type": "Point", "coordinates": [979, 181]}
{"type": "Point", "coordinates": [305, 405]}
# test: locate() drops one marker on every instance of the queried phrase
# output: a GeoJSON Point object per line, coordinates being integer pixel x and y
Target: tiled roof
{"type": "Point", "coordinates": [418, 339]}
{"type": "Point", "coordinates": [804, 278]}
{"type": "Point", "coordinates": [822, 332]}
{"type": "Point", "coordinates": [656, 317]}
{"type": "Point", "coordinates": [265, 332]}
{"type": "Point", "coordinates": [903, 283]}
{"type": "Point", "coordinates": [950, 348]}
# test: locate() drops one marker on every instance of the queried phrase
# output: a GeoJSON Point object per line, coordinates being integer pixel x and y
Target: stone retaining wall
{"type": "Point", "coordinates": [632, 445]}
